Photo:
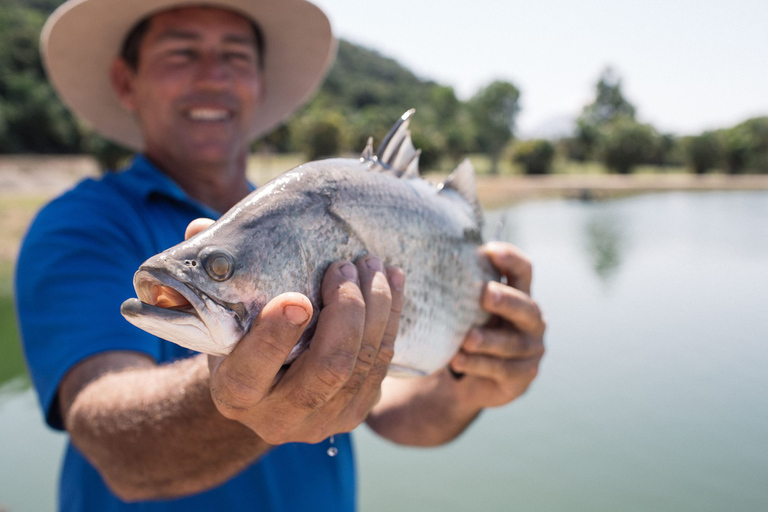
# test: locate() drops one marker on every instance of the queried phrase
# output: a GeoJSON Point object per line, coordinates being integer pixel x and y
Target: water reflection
{"type": "Point", "coordinates": [604, 242]}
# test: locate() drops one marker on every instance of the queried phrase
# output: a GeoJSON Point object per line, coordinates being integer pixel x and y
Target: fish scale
{"type": "Point", "coordinates": [284, 235]}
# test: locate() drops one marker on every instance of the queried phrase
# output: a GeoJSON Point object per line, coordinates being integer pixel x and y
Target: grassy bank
{"type": "Point", "coordinates": [30, 181]}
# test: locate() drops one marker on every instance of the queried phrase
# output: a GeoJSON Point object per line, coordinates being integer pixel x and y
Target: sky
{"type": "Point", "coordinates": [686, 65]}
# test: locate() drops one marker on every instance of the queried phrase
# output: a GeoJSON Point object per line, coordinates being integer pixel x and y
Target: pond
{"type": "Point", "coordinates": [652, 395]}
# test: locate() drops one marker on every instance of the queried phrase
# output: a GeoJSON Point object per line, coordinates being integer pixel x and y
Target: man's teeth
{"type": "Point", "coordinates": [208, 114]}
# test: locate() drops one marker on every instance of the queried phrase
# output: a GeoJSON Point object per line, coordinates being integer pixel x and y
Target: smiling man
{"type": "Point", "coordinates": [154, 426]}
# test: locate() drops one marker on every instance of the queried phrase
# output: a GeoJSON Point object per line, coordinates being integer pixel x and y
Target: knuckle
{"type": "Point", "coordinates": [337, 368]}
{"type": "Point", "coordinates": [232, 391]}
{"type": "Point", "coordinates": [386, 350]}
{"type": "Point", "coordinates": [353, 302]}
{"type": "Point", "coordinates": [366, 358]}
{"type": "Point", "coordinates": [532, 371]}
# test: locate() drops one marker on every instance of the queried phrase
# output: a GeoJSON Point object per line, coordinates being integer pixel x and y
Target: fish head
{"type": "Point", "coordinates": [204, 293]}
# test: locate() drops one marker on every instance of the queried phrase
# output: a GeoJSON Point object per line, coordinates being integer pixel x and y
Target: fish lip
{"type": "Point", "coordinates": [202, 305]}
{"type": "Point", "coordinates": [152, 275]}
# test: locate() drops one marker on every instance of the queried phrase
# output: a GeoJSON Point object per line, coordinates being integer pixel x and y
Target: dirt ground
{"type": "Point", "coordinates": [27, 182]}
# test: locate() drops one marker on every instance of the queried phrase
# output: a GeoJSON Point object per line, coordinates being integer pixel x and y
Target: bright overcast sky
{"type": "Point", "coordinates": [687, 65]}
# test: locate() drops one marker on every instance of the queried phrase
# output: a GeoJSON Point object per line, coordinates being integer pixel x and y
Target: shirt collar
{"type": "Point", "coordinates": [147, 180]}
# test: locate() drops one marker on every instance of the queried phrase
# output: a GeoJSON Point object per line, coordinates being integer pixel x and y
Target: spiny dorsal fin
{"type": "Point", "coordinates": [396, 152]}
{"type": "Point", "coordinates": [368, 151]}
{"type": "Point", "coordinates": [412, 171]}
{"type": "Point", "coordinates": [462, 180]}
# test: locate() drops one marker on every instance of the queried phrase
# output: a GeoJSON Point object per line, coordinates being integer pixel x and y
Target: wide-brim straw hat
{"type": "Point", "coordinates": [82, 37]}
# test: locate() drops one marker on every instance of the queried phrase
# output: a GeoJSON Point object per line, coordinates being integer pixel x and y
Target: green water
{"type": "Point", "coordinates": [652, 395]}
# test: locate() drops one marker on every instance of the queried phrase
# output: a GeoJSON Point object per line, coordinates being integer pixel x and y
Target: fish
{"type": "Point", "coordinates": [205, 292]}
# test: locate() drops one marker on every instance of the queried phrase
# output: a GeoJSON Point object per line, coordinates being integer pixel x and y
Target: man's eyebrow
{"type": "Point", "coordinates": [239, 39]}
{"type": "Point", "coordinates": [174, 34]}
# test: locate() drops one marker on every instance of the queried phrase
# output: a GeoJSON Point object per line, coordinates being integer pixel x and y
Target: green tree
{"type": "Point", "coordinates": [627, 143]}
{"type": "Point", "coordinates": [704, 152]}
{"type": "Point", "coordinates": [321, 134]}
{"type": "Point", "coordinates": [746, 146]}
{"type": "Point", "coordinates": [608, 106]}
{"type": "Point", "coordinates": [493, 111]}
{"type": "Point", "coordinates": [535, 156]}
{"type": "Point", "coordinates": [609, 103]}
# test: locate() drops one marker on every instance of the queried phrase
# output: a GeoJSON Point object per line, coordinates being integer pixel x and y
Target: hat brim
{"type": "Point", "coordinates": [82, 38]}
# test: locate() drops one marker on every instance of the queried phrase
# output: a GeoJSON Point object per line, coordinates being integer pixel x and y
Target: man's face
{"type": "Point", "coordinates": [197, 86]}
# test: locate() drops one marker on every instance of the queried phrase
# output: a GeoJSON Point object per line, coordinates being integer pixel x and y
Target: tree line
{"type": "Point", "coordinates": [607, 131]}
{"type": "Point", "coordinates": [362, 96]}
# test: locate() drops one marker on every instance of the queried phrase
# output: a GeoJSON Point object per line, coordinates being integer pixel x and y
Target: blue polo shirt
{"type": "Point", "coordinates": [74, 271]}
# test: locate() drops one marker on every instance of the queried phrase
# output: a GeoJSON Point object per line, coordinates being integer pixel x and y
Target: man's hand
{"type": "Point", "coordinates": [332, 386]}
{"type": "Point", "coordinates": [500, 360]}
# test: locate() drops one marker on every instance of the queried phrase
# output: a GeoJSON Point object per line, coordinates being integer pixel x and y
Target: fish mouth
{"type": "Point", "coordinates": [179, 312]}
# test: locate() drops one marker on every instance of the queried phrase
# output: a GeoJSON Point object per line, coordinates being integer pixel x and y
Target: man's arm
{"type": "Point", "coordinates": [164, 431]}
{"type": "Point", "coordinates": [498, 362]}
{"type": "Point", "coordinates": [152, 431]}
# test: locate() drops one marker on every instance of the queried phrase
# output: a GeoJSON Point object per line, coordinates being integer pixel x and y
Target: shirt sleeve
{"type": "Point", "coordinates": [74, 271]}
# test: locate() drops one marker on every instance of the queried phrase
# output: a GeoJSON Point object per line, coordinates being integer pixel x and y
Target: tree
{"type": "Point", "coordinates": [493, 111]}
{"type": "Point", "coordinates": [535, 156]}
{"type": "Point", "coordinates": [704, 152]}
{"type": "Point", "coordinates": [746, 146]}
{"type": "Point", "coordinates": [321, 134]}
{"type": "Point", "coordinates": [609, 103]}
{"type": "Point", "coordinates": [608, 106]}
{"type": "Point", "coordinates": [627, 143]}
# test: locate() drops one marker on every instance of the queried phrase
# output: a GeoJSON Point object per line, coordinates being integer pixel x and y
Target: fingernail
{"type": "Point", "coordinates": [493, 288]}
{"type": "Point", "coordinates": [396, 278]}
{"type": "Point", "coordinates": [296, 315]}
{"type": "Point", "coordinates": [374, 263]}
{"type": "Point", "coordinates": [349, 271]}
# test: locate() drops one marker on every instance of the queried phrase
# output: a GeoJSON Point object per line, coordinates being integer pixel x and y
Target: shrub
{"type": "Point", "coordinates": [704, 152]}
{"type": "Point", "coordinates": [628, 143]}
{"type": "Point", "coordinates": [535, 156]}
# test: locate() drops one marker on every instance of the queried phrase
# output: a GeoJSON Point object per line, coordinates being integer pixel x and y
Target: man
{"type": "Point", "coordinates": [190, 84]}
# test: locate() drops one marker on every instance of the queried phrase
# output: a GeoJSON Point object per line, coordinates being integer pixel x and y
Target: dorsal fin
{"type": "Point", "coordinates": [396, 153]}
{"type": "Point", "coordinates": [462, 180]}
{"type": "Point", "coordinates": [368, 151]}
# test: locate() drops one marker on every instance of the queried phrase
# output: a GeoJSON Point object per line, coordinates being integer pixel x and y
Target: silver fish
{"type": "Point", "coordinates": [204, 293]}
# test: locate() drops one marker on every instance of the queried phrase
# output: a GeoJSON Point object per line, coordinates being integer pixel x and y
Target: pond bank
{"type": "Point", "coordinates": [498, 191]}
{"type": "Point", "coordinates": [28, 181]}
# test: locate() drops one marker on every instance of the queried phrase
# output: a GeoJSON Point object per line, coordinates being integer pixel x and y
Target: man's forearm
{"type": "Point", "coordinates": [154, 432]}
{"type": "Point", "coordinates": [421, 412]}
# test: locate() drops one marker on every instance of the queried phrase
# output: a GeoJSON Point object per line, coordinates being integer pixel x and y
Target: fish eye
{"type": "Point", "coordinates": [218, 263]}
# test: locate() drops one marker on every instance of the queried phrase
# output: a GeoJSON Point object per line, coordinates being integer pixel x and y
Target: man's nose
{"type": "Point", "coordinates": [213, 71]}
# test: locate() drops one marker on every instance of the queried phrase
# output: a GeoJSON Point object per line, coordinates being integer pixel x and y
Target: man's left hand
{"type": "Point", "coordinates": [500, 359]}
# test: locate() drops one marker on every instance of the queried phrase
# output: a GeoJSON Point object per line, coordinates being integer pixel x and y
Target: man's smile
{"type": "Point", "coordinates": [208, 114]}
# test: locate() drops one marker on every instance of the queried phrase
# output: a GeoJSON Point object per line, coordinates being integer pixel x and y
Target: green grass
{"type": "Point", "coordinates": [11, 358]}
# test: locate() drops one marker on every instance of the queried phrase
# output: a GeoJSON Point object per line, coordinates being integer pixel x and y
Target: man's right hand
{"type": "Point", "coordinates": [332, 386]}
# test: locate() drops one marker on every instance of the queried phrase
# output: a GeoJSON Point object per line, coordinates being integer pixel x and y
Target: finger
{"type": "Point", "coordinates": [498, 369]}
{"type": "Point", "coordinates": [196, 226]}
{"type": "Point", "coordinates": [370, 392]}
{"type": "Point", "coordinates": [318, 374]}
{"type": "Point", "coordinates": [512, 263]}
{"type": "Point", "coordinates": [244, 377]}
{"type": "Point", "coordinates": [515, 306]}
{"type": "Point", "coordinates": [396, 278]}
{"type": "Point", "coordinates": [501, 342]}
{"type": "Point", "coordinates": [378, 299]}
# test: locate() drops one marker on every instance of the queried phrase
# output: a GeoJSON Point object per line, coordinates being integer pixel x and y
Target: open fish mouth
{"type": "Point", "coordinates": [178, 312]}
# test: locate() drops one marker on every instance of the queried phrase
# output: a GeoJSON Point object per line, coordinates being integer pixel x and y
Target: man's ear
{"type": "Point", "coordinates": [121, 75]}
